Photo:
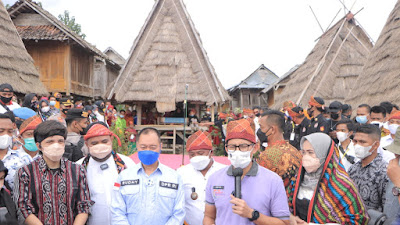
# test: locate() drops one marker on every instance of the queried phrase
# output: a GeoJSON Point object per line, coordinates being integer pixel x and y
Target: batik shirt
{"type": "Point", "coordinates": [371, 182]}
{"type": "Point", "coordinates": [283, 159]}
{"type": "Point", "coordinates": [54, 196]}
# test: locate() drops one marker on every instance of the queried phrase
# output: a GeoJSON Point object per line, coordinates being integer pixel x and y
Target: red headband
{"type": "Point", "coordinates": [100, 130]}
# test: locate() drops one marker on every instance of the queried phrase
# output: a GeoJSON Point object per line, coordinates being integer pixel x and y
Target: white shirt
{"type": "Point", "coordinates": [14, 160]}
{"type": "Point", "coordinates": [10, 107]}
{"type": "Point", "coordinates": [257, 126]}
{"type": "Point", "coordinates": [386, 155]}
{"type": "Point", "coordinates": [350, 152]}
{"type": "Point", "coordinates": [386, 141]}
{"type": "Point", "coordinates": [99, 116]}
{"type": "Point", "coordinates": [101, 184]}
{"type": "Point", "coordinates": [194, 178]}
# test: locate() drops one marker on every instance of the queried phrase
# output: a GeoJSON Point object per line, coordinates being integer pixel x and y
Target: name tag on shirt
{"type": "Point", "coordinates": [217, 191]}
{"type": "Point", "coordinates": [169, 185]}
{"type": "Point", "coordinates": [130, 182]}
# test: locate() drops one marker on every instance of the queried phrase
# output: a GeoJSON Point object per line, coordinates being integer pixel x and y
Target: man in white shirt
{"type": "Point", "coordinates": [6, 94]}
{"type": "Point", "coordinates": [195, 175]}
{"type": "Point", "coordinates": [344, 130]}
{"type": "Point", "coordinates": [103, 166]}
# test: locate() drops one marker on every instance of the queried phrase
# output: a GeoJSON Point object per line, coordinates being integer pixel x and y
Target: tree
{"type": "Point", "coordinates": [70, 22]}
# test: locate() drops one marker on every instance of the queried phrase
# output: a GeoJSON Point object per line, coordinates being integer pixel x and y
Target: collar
{"type": "Point", "coordinates": [9, 103]}
{"type": "Point", "coordinates": [280, 142]}
{"type": "Point", "coordinates": [377, 159]}
{"type": "Point", "coordinates": [43, 165]}
{"type": "Point", "coordinates": [252, 172]}
{"type": "Point", "coordinates": [159, 168]}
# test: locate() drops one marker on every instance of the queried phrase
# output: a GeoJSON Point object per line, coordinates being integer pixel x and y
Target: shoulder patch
{"type": "Point", "coordinates": [322, 128]}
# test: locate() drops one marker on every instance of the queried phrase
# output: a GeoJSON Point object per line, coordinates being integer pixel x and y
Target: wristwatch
{"type": "Point", "coordinates": [254, 215]}
{"type": "Point", "coordinates": [396, 191]}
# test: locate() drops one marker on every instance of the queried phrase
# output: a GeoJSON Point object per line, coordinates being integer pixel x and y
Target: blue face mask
{"type": "Point", "coordinates": [52, 103]}
{"type": "Point", "coordinates": [148, 157]}
{"type": "Point", "coordinates": [122, 116]}
{"type": "Point", "coordinates": [30, 144]}
{"type": "Point", "coordinates": [362, 119]}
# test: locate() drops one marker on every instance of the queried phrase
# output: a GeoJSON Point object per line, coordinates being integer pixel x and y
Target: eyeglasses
{"type": "Point", "coordinates": [241, 147]}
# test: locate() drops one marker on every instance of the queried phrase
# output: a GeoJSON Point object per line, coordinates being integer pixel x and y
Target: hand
{"type": "Point", "coordinates": [393, 171]}
{"type": "Point", "coordinates": [241, 208]}
{"type": "Point", "coordinates": [300, 221]}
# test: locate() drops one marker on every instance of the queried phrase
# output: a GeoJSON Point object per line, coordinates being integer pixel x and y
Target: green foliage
{"type": "Point", "coordinates": [126, 148]}
{"type": "Point", "coordinates": [71, 23]}
{"type": "Point", "coordinates": [219, 149]}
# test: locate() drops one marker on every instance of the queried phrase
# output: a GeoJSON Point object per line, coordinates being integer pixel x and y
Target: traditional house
{"type": "Point", "coordinates": [167, 58]}
{"type": "Point", "coordinates": [247, 93]}
{"type": "Point", "coordinates": [16, 65]}
{"type": "Point", "coordinates": [65, 61]}
{"type": "Point", "coordinates": [331, 69]}
{"type": "Point", "coordinates": [115, 56]}
{"type": "Point", "coordinates": [380, 79]}
{"type": "Point", "coordinates": [277, 87]}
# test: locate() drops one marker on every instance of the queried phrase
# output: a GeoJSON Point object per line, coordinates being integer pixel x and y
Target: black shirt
{"type": "Point", "coordinates": [319, 124]}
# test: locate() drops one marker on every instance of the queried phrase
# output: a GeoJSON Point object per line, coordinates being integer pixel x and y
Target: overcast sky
{"type": "Point", "coordinates": [238, 35]}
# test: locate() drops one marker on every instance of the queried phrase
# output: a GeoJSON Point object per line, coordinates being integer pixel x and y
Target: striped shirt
{"type": "Point", "coordinates": [54, 196]}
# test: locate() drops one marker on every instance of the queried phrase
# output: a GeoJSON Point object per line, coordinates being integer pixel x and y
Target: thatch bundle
{"type": "Point", "coordinates": [332, 67]}
{"type": "Point", "coordinates": [166, 56]}
{"type": "Point", "coordinates": [16, 65]}
{"type": "Point", "coordinates": [380, 78]}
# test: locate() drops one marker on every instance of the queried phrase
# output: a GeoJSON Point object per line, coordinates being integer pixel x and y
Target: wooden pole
{"type": "Point", "coordinates": [212, 113]}
{"type": "Point", "coordinates": [241, 99]}
{"type": "Point", "coordinates": [139, 113]}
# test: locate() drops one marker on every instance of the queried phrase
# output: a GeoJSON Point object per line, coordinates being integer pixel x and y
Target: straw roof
{"type": "Point", "coordinates": [167, 55]}
{"type": "Point", "coordinates": [16, 65]}
{"type": "Point", "coordinates": [332, 67]}
{"type": "Point", "coordinates": [380, 78]}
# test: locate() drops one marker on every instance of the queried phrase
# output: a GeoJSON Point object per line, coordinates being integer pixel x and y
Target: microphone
{"type": "Point", "coordinates": [237, 173]}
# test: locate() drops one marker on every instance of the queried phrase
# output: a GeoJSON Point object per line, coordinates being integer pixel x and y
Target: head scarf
{"type": "Point", "coordinates": [100, 130]}
{"type": "Point", "coordinates": [28, 100]}
{"type": "Point", "coordinates": [318, 102]}
{"type": "Point", "coordinates": [335, 198]}
{"type": "Point", "coordinates": [395, 115]}
{"type": "Point", "coordinates": [199, 141]}
{"type": "Point", "coordinates": [240, 129]}
{"type": "Point", "coordinates": [30, 124]}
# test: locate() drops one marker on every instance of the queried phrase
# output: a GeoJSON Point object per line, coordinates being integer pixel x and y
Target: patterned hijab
{"type": "Point", "coordinates": [335, 199]}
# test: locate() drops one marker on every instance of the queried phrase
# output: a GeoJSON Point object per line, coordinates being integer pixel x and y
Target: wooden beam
{"type": "Point", "coordinates": [139, 113]}
{"type": "Point", "coordinates": [212, 113]}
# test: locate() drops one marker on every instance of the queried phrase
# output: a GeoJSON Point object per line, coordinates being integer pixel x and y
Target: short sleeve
{"type": "Point", "coordinates": [209, 197]}
{"type": "Point", "coordinates": [280, 207]}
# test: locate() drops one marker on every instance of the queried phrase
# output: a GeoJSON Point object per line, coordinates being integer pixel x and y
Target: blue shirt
{"type": "Point", "coordinates": [142, 199]}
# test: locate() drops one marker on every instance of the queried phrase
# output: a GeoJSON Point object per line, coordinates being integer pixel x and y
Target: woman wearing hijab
{"type": "Point", "coordinates": [44, 109]}
{"type": "Point", "coordinates": [31, 101]}
{"type": "Point", "coordinates": [323, 192]}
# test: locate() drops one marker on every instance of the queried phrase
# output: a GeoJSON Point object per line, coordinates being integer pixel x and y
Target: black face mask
{"type": "Point", "coordinates": [65, 111]}
{"type": "Point", "coordinates": [334, 116]}
{"type": "Point", "coordinates": [309, 111]}
{"type": "Point", "coordinates": [262, 136]}
{"type": "Point", "coordinates": [5, 100]}
{"type": "Point", "coordinates": [258, 114]}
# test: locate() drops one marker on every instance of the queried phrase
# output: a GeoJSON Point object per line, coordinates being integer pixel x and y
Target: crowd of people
{"type": "Point", "coordinates": [295, 166]}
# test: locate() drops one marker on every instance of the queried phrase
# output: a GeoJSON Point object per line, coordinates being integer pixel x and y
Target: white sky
{"type": "Point", "coordinates": [238, 35]}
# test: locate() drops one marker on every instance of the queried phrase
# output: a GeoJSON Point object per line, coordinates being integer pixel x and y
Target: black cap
{"type": "Point", "coordinates": [76, 113]}
{"type": "Point", "coordinates": [297, 109]}
{"type": "Point", "coordinates": [319, 100]}
{"type": "Point", "coordinates": [66, 102]}
{"type": "Point", "coordinates": [346, 107]}
{"type": "Point", "coordinates": [335, 107]}
{"type": "Point", "coordinates": [3, 168]}
{"type": "Point", "coordinates": [6, 86]}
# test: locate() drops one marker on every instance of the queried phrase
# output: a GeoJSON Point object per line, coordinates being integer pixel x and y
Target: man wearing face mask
{"type": "Point", "coordinates": [279, 157]}
{"type": "Point", "coordinates": [195, 175]}
{"type": "Point", "coordinates": [65, 105]}
{"type": "Point", "coordinates": [12, 159]}
{"type": "Point", "coordinates": [52, 189]}
{"type": "Point", "coordinates": [77, 121]}
{"type": "Point", "coordinates": [363, 111]}
{"type": "Point", "coordinates": [52, 104]}
{"type": "Point", "coordinates": [263, 194]}
{"type": "Point", "coordinates": [393, 124]}
{"type": "Point", "coordinates": [121, 122]}
{"type": "Point", "coordinates": [335, 109]}
{"type": "Point", "coordinates": [300, 128]}
{"type": "Point", "coordinates": [347, 110]}
{"type": "Point", "coordinates": [26, 136]}
{"type": "Point", "coordinates": [6, 94]}
{"type": "Point", "coordinates": [344, 130]}
{"type": "Point", "coordinates": [371, 188]}
{"type": "Point", "coordinates": [102, 165]}
{"type": "Point", "coordinates": [318, 122]}
{"type": "Point", "coordinates": [150, 192]}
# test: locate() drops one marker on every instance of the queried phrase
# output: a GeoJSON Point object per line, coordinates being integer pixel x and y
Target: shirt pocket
{"type": "Point", "coordinates": [131, 196]}
{"type": "Point", "coordinates": [167, 198]}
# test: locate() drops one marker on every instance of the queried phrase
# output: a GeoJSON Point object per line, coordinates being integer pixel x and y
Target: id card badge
{"type": "Point", "coordinates": [292, 136]}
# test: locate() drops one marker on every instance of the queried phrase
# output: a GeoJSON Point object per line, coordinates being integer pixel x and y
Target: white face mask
{"type": "Point", "coordinates": [393, 128]}
{"type": "Point", "coordinates": [239, 159]}
{"type": "Point", "coordinates": [362, 152]}
{"type": "Point", "coordinates": [100, 151]}
{"type": "Point", "coordinates": [342, 136]}
{"type": "Point", "coordinates": [45, 109]}
{"type": "Point", "coordinates": [54, 152]}
{"type": "Point", "coordinates": [5, 141]}
{"type": "Point", "coordinates": [200, 162]}
{"type": "Point", "coordinates": [380, 124]}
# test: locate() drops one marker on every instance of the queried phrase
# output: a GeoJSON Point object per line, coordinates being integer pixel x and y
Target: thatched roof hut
{"type": "Point", "coordinates": [16, 65]}
{"type": "Point", "coordinates": [167, 55]}
{"type": "Point", "coordinates": [380, 78]}
{"type": "Point", "coordinates": [332, 67]}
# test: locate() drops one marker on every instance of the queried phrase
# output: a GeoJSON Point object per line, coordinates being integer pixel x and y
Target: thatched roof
{"type": "Point", "coordinates": [281, 82]}
{"type": "Point", "coordinates": [259, 79]}
{"type": "Point", "coordinates": [16, 65]}
{"type": "Point", "coordinates": [52, 29]}
{"type": "Point", "coordinates": [380, 78]}
{"type": "Point", "coordinates": [167, 55]}
{"type": "Point", "coordinates": [332, 67]}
